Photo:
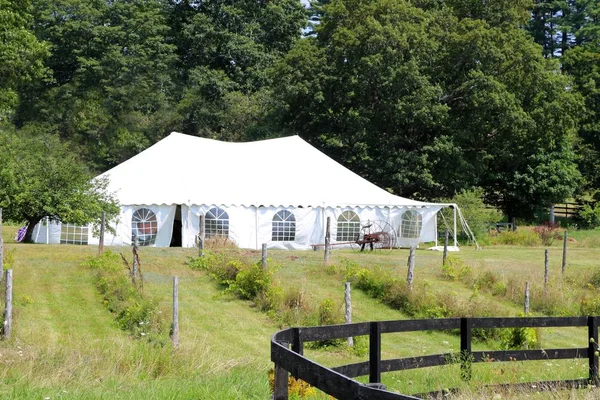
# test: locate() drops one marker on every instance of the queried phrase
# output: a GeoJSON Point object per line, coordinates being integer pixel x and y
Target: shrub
{"type": "Point", "coordinates": [133, 312]}
{"type": "Point", "coordinates": [456, 269]}
{"type": "Point", "coordinates": [590, 214]}
{"type": "Point", "coordinates": [518, 338]}
{"type": "Point", "coordinates": [547, 232]}
{"type": "Point", "coordinates": [589, 306]}
{"type": "Point", "coordinates": [475, 212]}
{"type": "Point", "coordinates": [595, 280]}
{"type": "Point", "coordinates": [249, 281]}
{"type": "Point", "coordinates": [486, 280]}
{"type": "Point", "coordinates": [521, 237]}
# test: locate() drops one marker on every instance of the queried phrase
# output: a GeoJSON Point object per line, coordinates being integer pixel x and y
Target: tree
{"type": "Point", "coordinates": [112, 89]}
{"type": "Point", "coordinates": [225, 50]}
{"type": "Point", "coordinates": [40, 176]}
{"type": "Point", "coordinates": [21, 53]}
{"type": "Point", "coordinates": [429, 101]}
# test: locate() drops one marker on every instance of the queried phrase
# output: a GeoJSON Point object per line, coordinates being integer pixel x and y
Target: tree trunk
{"type": "Point", "coordinates": [32, 222]}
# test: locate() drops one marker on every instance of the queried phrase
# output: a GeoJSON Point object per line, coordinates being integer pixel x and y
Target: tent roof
{"type": "Point", "coordinates": [184, 169]}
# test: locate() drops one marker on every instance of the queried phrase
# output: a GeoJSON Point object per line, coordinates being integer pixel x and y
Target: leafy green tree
{"type": "Point", "coordinates": [428, 101]}
{"type": "Point", "coordinates": [112, 88]}
{"type": "Point", "coordinates": [582, 63]}
{"type": "Point", "coordinates": [40, 176]}
{"type": "Point", "coordinates": [512, 118]}
{"type": "Point", "coordinates": [21, 53]}
{"type": "Point", "coordinates": [225, 50]}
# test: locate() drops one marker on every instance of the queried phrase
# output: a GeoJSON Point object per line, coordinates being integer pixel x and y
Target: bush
{"type": "Point", "coordinates": [590, 214]}
{"type": "Point", "coordinates": [518, 338]}
{"type": "Point", "coordinates": [456, 269]}
{"type": "Point", "coordinates": [475, 212]}
{"type": "Point", "coordinates": [547, 232]}
{"type": "Point", "coordinates": [521, 237]}
{"type": "Point", "coordinates": [132, 311]}
{"type": "Point", "coordinates": [594, 280]}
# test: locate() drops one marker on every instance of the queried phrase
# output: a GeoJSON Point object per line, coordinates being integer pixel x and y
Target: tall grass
{"type": "Point", "coordinates": [67, 345]}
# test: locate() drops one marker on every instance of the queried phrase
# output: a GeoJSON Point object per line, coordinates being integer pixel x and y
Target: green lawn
{"type": "Point", "coordinates": [66, 345]}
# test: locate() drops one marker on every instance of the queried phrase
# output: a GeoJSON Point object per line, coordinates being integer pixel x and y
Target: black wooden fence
{"type": "Point", "coordinates": [339, 383]}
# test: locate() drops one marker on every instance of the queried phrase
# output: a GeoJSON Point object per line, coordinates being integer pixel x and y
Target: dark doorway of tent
{"type": "Point", "coordinates": [177, 229]}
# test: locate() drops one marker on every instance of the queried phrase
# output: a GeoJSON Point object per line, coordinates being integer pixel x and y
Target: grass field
{"type": "Point", "coordinates": [66, 345]}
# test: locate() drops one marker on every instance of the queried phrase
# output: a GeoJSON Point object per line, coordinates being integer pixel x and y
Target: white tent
{"type": "Point", "coordinates": [276, 191]}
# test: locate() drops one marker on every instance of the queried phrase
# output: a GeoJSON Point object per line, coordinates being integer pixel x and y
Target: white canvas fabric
{"type": "Point", "coordinates": [183, 169]}
{"type": "Point", "coordinates": [251, 182]}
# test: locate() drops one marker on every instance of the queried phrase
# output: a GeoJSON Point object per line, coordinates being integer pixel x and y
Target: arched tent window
{"type": "Point", "coordinates": [410, 225]}
{"type": "Point", "coordinates": [217, 223]}
{"type": "Point", "coordinates": [144, 226]}
{"type": "Point", "coordinates": [284, 227]}
{"type": "Point", "coordinates": [348, 227]}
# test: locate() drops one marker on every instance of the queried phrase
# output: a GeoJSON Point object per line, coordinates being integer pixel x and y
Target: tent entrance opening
{"type": "Point", "coordinates": [177, 229]}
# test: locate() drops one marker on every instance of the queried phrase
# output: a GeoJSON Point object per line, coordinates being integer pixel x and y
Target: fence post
{"type": "Point", "coordinates": [445, 247]}
{"type": "Point", "coordinates": [136, 259]}
{"type": "Point", "coordinates": [564, 258]}
{"type": "Point", "coordinates": [1, 248]}
{"type": "Point", "coordinates": [526, 308]}
{"type": "Point", "coordinates": [297, 347]}
{"type": "Point", "coordinates": [201, 237]}
{"type": "Point", "coordinates": [546, 272]}
{"type": "Point", "coordinates": [348, 302]}
{"type": "Point", "coordinates": [175, 330]}
{"type": "Point", "coordinates": [593, 350]}
{"type": "Point", "coordinates": [280, 390]}
{"type": "Point", "coordinates": [374, 352]}
{"type": "Point", "coordinates": [7, 331]}
{"type": "Point", "coordinates": [263, 257]}
{"type": "Point", "coordinates": [102, 227]}
{"type": "Point", "coordinates": [327, 240]}
{"type": "Point", "coordinates": [465, 349]}
{"type": "Point", "coordinates": [411, 268]}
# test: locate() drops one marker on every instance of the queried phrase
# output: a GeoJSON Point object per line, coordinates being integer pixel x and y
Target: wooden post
{"type": "Point", "coordinates": [514, 224]}
{"type": "Point", "coordinates": [546, 272]}
{"type": "Point", "coordinates": [526, 308]}
{"type": "Point", "coordinates": [175, 331]}
{"type": "Point", "coordinates": [445, 247]}
{"type": "Point", "coordinates": [564, 259]}
{"type": "Point", "coordinates": [201, 230]}
{"type": "Point", "coordinates": [297, 347]}
{"type": "Point", "coordinates": [593, 350]}
{"type": "Point", "coordinates": [7, 331]}
{"type": "Point", "coordinates": [348, 302]}
{"type": "Point", "coordinates": [280, 391]}
{"type": "Point", "coordinates": [136, 259]}
{"type": "Point", "coordinates": [375, 353]}
{"type": "Point", "coordinates": [411, 268]}
{"type": "Point", "coordinates": [263, 257]}
{"type": "Point", "coordinates": [465, 349]}
{"type": "Point", "coordinates": [102, 228]}
{"type": "Point", "coordinates": [327, 241]}
{"type": "Point", "coordinates": [1, 248]}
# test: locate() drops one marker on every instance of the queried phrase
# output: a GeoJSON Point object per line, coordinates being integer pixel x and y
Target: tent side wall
{"type": "Point", "coordinates": [250, 227]}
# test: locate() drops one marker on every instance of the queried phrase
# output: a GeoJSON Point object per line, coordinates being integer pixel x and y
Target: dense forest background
{"type": "Point", "coordinates": [426, 98]}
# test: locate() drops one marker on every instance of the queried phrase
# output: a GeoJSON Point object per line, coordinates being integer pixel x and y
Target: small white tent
{"type": "Point", "coordinates": [276, 191]}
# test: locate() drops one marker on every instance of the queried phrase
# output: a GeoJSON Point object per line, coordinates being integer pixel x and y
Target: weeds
{"type": "Point", "coordinates": [133, 312]}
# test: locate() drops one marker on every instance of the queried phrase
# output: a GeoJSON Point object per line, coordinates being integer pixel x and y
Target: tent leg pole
{"type": "Point", "coordinates": [455, 235]}
{"type": "Point", "coordinates": [256, 227]}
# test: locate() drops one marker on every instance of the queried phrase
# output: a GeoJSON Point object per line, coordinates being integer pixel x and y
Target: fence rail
{"type": "Point", "coordinates": [339, 383]}
{"type": "Point", "coordinates": [566, 210]}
